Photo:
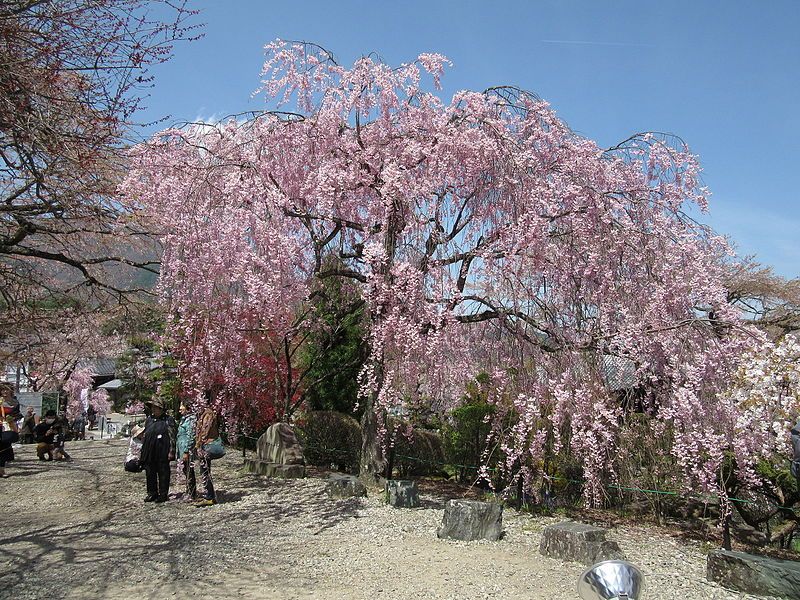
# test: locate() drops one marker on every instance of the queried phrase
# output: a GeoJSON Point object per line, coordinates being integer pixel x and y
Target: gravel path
{"type": "Point", "coordinates": [81, 530]}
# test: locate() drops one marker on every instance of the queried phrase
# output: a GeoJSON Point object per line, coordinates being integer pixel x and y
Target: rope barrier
{"type": "Point", "coordinates": [674, 493]}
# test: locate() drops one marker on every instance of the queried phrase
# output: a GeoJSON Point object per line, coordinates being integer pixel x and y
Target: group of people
{"type": "Point", "coordinates": [48, 433]}
{"type": "Point", "coordinates": [193, 443]}
{"type": "Point", "coordinates": [79, 423]}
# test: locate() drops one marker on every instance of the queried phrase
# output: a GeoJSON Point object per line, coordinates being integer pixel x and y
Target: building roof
{"type": "Point", "coordinates": [100, 367]}
{"type": "Point", "coordinates": [114, 384]}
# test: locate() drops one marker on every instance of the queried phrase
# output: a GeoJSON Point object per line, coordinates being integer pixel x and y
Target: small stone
{"type": "Point", "coordinates": [402, 493]}
{"type": "Point", "coordinates": [345, 486]}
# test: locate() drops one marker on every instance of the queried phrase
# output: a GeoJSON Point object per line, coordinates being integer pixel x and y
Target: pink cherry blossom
{"type": "Point", "coordinates": [484, 235]}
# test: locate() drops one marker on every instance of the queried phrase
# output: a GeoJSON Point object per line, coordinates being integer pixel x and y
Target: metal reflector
{"type": "Point", "coordinates": [611, 580]}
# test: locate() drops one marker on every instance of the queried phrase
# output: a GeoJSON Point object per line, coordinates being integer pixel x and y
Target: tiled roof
{"type": "Point", "coordinates": [100, 367]}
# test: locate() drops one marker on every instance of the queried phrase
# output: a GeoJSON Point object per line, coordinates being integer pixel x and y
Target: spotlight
{"type": "Point", "coordinates": [611, 580]}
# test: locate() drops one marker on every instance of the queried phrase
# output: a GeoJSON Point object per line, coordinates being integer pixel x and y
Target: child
{"type": "Point", "coordinates": [134, 450]}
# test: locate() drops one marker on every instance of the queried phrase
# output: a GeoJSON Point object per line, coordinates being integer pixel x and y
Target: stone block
{"type": "Point", "coordinates": [279, 444]}
{"type": "Point", "coordinates": [754, 574]}
{"type": "Point", "coordinates": [578, 542]}
{"type": "Point", "coordinates": [471, 520]}
{"type": "Point", "coordinates": [402, 493]}
{"type": "Point", "coordinates": [268, 469]}
{"type": "Point", "coordinates": [345, 486]}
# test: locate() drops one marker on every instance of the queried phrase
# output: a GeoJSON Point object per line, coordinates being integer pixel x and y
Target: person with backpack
{"type": "Point", "coordinates": [158, 449]}
{"type": "Point", "coordinates": [134, 454]}
{"type": "Point", "coordinates": [206, 434]}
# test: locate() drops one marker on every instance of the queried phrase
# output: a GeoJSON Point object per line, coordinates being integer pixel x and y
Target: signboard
{"type": "Point", "coordinates": [27, 399]}
{"type": "Point", "coordinates": [40, 401]}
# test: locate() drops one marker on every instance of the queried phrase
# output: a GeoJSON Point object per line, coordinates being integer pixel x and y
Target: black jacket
{"type": "Point", "coordinates": [40, 432]}
{"type": "Point", "coordinates": [159, 440]}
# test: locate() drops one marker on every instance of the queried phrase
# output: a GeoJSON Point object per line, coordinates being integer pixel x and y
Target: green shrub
{"type": "Point", "coordinates": [330, 438]}
{"type": "Point", "coordinates": [466, 432]}
{"type": "Point", "coordinates": [422, 454]}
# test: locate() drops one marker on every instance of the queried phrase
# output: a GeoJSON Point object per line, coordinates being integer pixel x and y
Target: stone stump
{"type": "Point", "coordinates": [469, 520]}
{"type": "Point", "coordinates": [402, 493]}
{"type": "Point", "coordinates": [345, 486]}
{"type": "Point", "coordinates": [279, 454]}
{"type": "Point", "coordinates": [578, 542]}
{"type": "Point", "coordinates": [753, 574]}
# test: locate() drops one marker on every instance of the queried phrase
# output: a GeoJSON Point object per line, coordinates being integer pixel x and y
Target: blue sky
{"type": "Point", "coordinates": [724, 76]}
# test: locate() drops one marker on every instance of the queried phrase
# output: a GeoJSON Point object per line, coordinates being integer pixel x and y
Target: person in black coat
{"type": "Point", "coordinates": [49, 437]}
{"type": "Point", "coordinates": [158, 448]}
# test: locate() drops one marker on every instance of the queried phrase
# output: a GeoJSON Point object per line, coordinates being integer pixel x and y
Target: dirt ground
{"type": "Point", "coordinates": [80, 530]}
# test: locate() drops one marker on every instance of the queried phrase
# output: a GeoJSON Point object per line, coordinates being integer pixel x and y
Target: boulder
{"type": "Point", "coordinates": [471, 520]}
{"type": "Point", "coordinates": [578, 542]}
{"type": "Point", "coordinates": [402, 493]}
{"type": "Point", "coordinates": [279, 454]}
{"type": "Point", "coordinates": [279, 445]}
{"type": "Point", "coordinates": [754, 574]}
{"type": "Point", "coordinates": [345, 486]}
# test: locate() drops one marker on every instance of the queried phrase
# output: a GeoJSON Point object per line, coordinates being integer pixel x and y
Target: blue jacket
{"type": "Point", "coordinates": [185, 441]}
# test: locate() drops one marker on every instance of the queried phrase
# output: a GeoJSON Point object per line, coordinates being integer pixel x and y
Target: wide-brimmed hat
{"type": "Point", "coordinates": [156, 402]}
{"type": "Point", "coordinates": [137, 430]}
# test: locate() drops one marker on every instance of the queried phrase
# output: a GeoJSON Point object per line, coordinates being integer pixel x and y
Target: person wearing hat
{"type": "Point", "coordinates": [134, 455]}
{"type": "Point", "coordinates": [29, 423]}
{"type": "Point", "coordinates": [158, 448]}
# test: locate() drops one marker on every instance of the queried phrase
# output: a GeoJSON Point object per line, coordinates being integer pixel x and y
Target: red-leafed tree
{"type": "Point", "coordinates": [250, 365]}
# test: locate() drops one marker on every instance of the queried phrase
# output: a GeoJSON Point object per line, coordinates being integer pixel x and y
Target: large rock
{"type": "Point", "coordinates": [279, 445]}
{"type": "Point", "coordinates": [345, 486]}
{"type": "Point", "coordinates": [279, 454]}
{"type": "Point", "coordinates": [578, 542]}
{"type": "Point", "coordinates": [471, 520]}
{"type": "Point", "coordinates": [754, 574]}
{"type": "Point", "coordinates": [402, 493]}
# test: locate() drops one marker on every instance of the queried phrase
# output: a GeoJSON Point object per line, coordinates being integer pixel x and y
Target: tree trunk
{"type": "Point", "coordinates": [726, 532]}
{"type": "Point", "coordinates": [373, 460]}
{"type": "Point", "coordinates": [390, 465]}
